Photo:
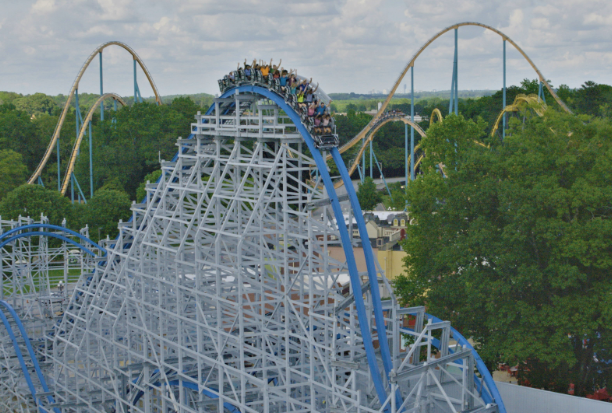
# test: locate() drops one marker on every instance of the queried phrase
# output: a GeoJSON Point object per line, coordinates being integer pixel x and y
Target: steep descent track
{"type": "Point", "coordinates": [77, 143]}
{"type": "Point", "coordinates": [411, 62]}
{"type": "Point", "coordinates": [75, 86]}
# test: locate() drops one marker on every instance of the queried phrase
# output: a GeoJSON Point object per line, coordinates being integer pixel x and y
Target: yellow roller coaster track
{"type": "Point", "coordinates": [435, 114]}
{"type": "Point", "coordinates": [75, 86]}
{"type": "Point", "coordinates": [519, 102]}
{"type": "Point", "coordinates": [77, 143]}
{"type": "Point", "coordinates": [371, 137]}
{"type": "Point", "coordinates": [410, 64]}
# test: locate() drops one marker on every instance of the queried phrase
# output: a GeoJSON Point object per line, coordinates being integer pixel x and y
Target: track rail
{"type": "Point", "coordinates": [75, 86]}
{"type": "Point", "coordinates": [77, 143]}
{"type": "Point", "coordinates": [410, 64]}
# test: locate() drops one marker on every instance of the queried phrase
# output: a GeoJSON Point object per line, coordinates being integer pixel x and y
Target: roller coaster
{"type": "Point", "coordinates": [220, 294]}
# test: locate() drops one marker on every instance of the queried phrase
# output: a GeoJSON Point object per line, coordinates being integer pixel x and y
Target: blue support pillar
{"type": "Point", "coordinates": [504, 97]}
{"type": "Point", "coordinates": [456, 72]}
{"type": "Point", "coordinates": [91, 185]}
{"type": "Point", "coordinates": [406, 154]}
{"type": "Point", "coordinates": [411, 127]}
{"type": "Point", "coordinates": [363, 161]}
{"type": "Point", "coordinates": [77, 111]}
{"type": "Point", "coordinates": [101, 90]}
{"type": "Point", "coordinates": [371, 169]}
{"type": "Point", "coordinates": [59, 176]}
{"type": "Point", "coordinates": [72, 188]}
{"type": "Point", "coordinates": [135, 82]}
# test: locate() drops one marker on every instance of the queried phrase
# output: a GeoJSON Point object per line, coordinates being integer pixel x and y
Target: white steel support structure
{"type": "Point", "coordinates": [220, 295]}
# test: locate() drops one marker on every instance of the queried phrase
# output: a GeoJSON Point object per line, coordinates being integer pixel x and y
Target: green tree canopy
{"type": "Point", "coordinates": [515, 245]}
{"type": "Point", "coordinates": [367, 194]}
{"type": "Point", "coordinates": [34, 200]}
{"type": "Point", "coordinates": [12, 171]}
{"type": "Point", "coordinates": [105, 210]}
{"type": "Point", "coordinates": [152, 177]}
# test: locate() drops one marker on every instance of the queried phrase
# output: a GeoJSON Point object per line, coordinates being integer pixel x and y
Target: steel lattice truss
{"type": "Point", "coordinates": [220, 295]}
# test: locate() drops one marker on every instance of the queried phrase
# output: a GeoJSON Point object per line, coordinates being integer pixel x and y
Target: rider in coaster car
{"type": "Point", "coordinates": [265, 69]}
{"type": "Point", "coordinates": [312, 108]}
{"type": "Point", "coordinates": [275, 68]}
{"type": "Point", "coordinates": [325, 123]}
{"type": "Point", "coordinates": [320, 110]}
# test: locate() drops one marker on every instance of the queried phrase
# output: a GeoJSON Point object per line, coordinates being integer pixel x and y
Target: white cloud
{"type": "Point", "coordinates": [346, 45]}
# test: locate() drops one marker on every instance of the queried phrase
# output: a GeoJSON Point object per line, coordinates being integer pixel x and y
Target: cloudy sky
{"type": "Point", "coordinates": [346, 45]}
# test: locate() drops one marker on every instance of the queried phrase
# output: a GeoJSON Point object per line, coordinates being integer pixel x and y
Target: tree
{"type": "Point", "coordinates": [12, 171]}
{"type": "Point", "coordinates": [34, 200]}
{"type": "Point", "coordinates": [105, 210]}
{"type": "Point", "coordinates": [36, 104]}
{"type": "Point", "coordinates": [152, 177]}
{"type": "Point", "coordinates": [515, 245]}
{"type": "Point", "coordinates": [367, 194]}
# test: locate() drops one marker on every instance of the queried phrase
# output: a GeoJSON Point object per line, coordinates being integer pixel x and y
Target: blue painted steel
{"type": "Point", "coordinates": [344, 235]}
{"type": "Point", "coordinates": [59, 176]}
{"type": "Point", "coordinates": [406, 163]}
{"type": "Point", "coordinates": [383, 177]}
{"type": "Point", "coordinates": [24, 368]}
{"type": "Point", "coordinates": [370, 264]}
{"type": "Point", "coordinates": [371, 164]}
{"type": "Point", "coordinates": [72, 188]}
{"type": "Point", "coordinates": [46, 234]}
{"type": "Point", "coordinates": [452, 93]}
{"type": "Point", "coordinates": [193, 386]}
{"type": "Point", "coordinates": [77, 111]}
{"type": "Point", "coordinates": [24, 336]}
{"type": "Point", "coordinates": [40, 182]}
{"type": "Point", "coordinates": [363, 161]}
{"type": "Point", "coordinates": [52, 227]}
{"type": "Point", "coordinates": [91, 186]}
{"type": "Point", "coordinates": [504, 97]}
{"type": "Point", "coordinates": [456, 71]}
{"type": "Point", "coordinates": [411, 127]}
{"type": "Point", "coordinates": [135, 82]}
{"type": "Point", "coordinates": [80, 193]}
{"type": "Point", "coordinates": [101, 89]}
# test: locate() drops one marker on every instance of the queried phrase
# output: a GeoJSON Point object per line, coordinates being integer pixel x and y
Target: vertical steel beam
{"type": "Point", "coordinates": [91, 181]}
{"type": "Point", "coordinates": [411, 127]}
{"type": "Point", "coordinates": [77, 111]}
{"type": "Point", "coordinates": [363, 162]}
{"type": "Point", "coordinates": [59, 176]}
{"type": "Point", "coordinates": [101, 90]}
{"type": "Point", "coordinates": [456, 71]}
{"type": "Point", "coordinates": [371, 164]}
{"type": "Point", "coordinates": [504, 94]}
{"type": "Point", "coordinates": [406, 154]}
{"type": "Point", "coordinates": [135, 81]}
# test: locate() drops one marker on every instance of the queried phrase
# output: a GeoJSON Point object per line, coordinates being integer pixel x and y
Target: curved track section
{"type": "Point", "coordinates": [435, 114]}
{"type": "Point", "coordinates": [520, 102]}
{"type": "Point", "coordinates": [77, 143]}
{"type": "Point", "coordinates": [370, 137]}
{"type": "Point", "coordinates": [75, 85]}
{"type": "Point", "coordinates": [222, 294]}
{"type": "Point", "coordinates": [411, 62]}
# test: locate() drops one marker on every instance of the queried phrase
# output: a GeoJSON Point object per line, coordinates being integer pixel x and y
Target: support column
{"type": "Point", "coordinates": [135, 82]}
{"type": "Point", "coordinates": [456, 71]}
{"type": "Point", "coordinates": [406, 155]}
{"type": "Point", "coordinates": [59, 176]}
{"type": "Point", "coordinates": [371, 170]}
{"type": "Point", "coordinates": [363, 161]}
{"type": "Point", "coordinates": [504, 94]}
{"type": "Point", "coordinates": [77, 111]}
{"type": "Point", "coordinates": [91, 180]}
{"type": "Point", "coordinates": [412, 119]}
{"type": "Point", "coordinates": [101, 89]}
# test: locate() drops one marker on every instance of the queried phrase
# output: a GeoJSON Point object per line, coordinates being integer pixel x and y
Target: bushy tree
{"type": "Point", "coordinates": [12, 171]}
{"type": "Point", "coordinates": [515, 245]}
{"type": "Point", "coordinates": [34, 200]}
{"type": "Point", "coordinates": [367, 194]}
{"type": "Point", "coordinates": [105, 210]}
{"type": "Point", "coordinates": [152, 177]}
